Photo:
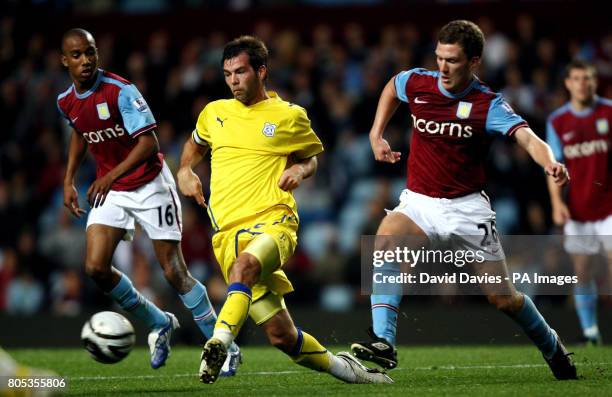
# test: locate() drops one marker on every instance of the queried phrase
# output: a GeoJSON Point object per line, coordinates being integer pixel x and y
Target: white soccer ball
{"type": "Point", "coordinates": [108, 337]}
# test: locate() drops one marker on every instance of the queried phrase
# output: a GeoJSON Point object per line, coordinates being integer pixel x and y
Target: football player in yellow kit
{"type": "Point", "coordinates": [262, 148]}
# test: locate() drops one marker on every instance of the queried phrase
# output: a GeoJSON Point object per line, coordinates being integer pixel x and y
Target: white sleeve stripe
{"type": "Point", "coordinates": [197, 138]}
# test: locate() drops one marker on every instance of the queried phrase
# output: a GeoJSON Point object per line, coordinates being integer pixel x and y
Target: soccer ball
{"type": "Point", "coordinates": [108, 337]}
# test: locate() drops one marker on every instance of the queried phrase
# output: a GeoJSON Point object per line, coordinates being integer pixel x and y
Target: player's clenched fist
{"type": "Point", "coordinates": [558, 172]}
{"type": "Point", "coordinates": [190, 185]}
{"type": "Point", "coordinates": [382, 151]}
{"type": "Point", "coordinates": [292, 177]}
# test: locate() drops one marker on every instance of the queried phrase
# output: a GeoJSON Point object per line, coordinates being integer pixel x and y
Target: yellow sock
{"type": "Point", "coordinates": [308, 352]}
{"type": "Point", "coordinates": [234, 311]}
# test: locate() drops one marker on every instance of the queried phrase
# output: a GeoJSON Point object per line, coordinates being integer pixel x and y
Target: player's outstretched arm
{"type": "Point", "coordinates": [76, 153]}
{"type": "Point", "coordinates": [189, 183]}
{"type": "Point", "coordinates": [293, 176]}
{"type": "Point", "coordinates": [146, 147]}
{"type": "Point", "coordinates": [541, 153]}
{"type": "Point", "coordinates": [387, 105]}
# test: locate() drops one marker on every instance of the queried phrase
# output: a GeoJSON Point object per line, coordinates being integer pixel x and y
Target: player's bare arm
{"type": "Point", "coordinates": [387, 105]}
{"type": "Point", "coordinates": [541, 153]}
{"type": "Point", "coordinates": [293, 176]}
{"type": "Point", "coordinates": [146, 147]}
{"type": "Point", "coordinates": [76, 154]}
{"type": "Point", "coordinates": [188, 181]}
{"type": "Point", "coordinates": [560, 211]}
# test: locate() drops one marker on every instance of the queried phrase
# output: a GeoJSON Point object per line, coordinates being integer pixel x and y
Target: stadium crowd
{"type": "Point", "coordinates": [336, 73]}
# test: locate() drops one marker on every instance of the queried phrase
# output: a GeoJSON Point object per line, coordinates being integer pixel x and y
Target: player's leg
{"type": "Point", "coordinates": [261, 259]}
{"type": "Point", "coordinates": [303, 349]}
{"type": "Point", "coordinates": [101, 243]}
{"type": "Point", "coordinates": [153, 205]}
{"type": "Point", "coordinates": [271, 313]}
{"type": "Point", "coordinates": [306, 350]}
{"type": "Point", "coordinates": [604, 234]}
{"type": "Point", "coordinates": [157, 209]}
{"type": "Point", "coordinates": [585, 298]}
{"type": "Point", "coordinates": [260, 254]}
{"type": "Point", "coordinates": [522, 310]}
{"type": "Point", "coordinates": [243, 275]}
{"type": "Point", "coordinates": [475, 216]}
{"type": "Point", "coordinates": [244, 256]}
{"type": "Point", "coordinates": [193, 294]}
{"type": "Point", "coordinates": [582, 243]}
{"type": "Point", "coordinates": [385, 307]}
{"type": "Point", "coordinates": [191, 291]}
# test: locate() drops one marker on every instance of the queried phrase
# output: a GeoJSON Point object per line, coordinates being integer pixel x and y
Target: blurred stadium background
{"type": "Point", "coordinates": [330, 56]}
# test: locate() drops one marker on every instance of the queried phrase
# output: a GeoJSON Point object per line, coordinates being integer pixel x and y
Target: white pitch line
{"type": "Point", "coordinates": [242, 373]}
{"type": "Point", "coordinates": [266, 373]}
{"type": "Point", "coordinates": [454, 367]}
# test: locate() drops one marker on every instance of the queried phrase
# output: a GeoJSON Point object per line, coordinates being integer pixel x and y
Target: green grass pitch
{"type": "Point", "coordinates": [423, 371]}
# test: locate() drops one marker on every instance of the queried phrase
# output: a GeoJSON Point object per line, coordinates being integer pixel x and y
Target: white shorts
{"type": "Point", "coordinates": [468, 221]}
{"type": "Point", "coordinates": [587, 238]}
{"type": "Point", "coordinates": [155, 206]}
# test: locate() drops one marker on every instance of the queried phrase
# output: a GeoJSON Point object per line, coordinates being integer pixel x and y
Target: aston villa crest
{"type": "Point", "coordinates": [464, 109]}
{"type": "Point", "coordinates": [602, 126]}
{"type": "Point", "coordinates": [103, 112]}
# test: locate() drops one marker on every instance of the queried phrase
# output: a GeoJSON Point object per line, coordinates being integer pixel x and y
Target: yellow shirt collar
{"type": "Point", "coordinates": [273, 96]}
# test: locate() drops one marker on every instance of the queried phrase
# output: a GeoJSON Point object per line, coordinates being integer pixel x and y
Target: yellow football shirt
{"type": "Point", "coordinates": [250, 148]}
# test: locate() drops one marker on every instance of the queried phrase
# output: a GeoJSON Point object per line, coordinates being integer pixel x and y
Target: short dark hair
{"type": "Point", "coordinates": [465, 33]}
{"type": "Point", "coordinates": [580, 64]}
{"type": "Point", "coordinates": [252, 46]}
{"type": "Point", "coordinates": [76, 32]}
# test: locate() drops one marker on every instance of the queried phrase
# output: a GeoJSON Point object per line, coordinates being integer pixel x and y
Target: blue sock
{"type": "Point", "coordinates": [536, 328]}
{"type": "Point", "coordinates": [204, 314]}
{"type": "Point", "coordinates": [386, 298]}
{"type": "Point", "coordinates": [132, 301]}
{"type": "Point", "coordinates": [384, 316]}
{"type": "Point", "coordinates": [585, 300]}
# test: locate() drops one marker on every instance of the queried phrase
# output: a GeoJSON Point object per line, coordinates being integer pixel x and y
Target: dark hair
{"type": "Point", "coordinates": [580, 64]}
{"type": "Point", "coordinates": [252, 46]}
{"type": "Point", "coordinates": [77, 32]}
{"type": "Point", "coordinates": [465, 33]}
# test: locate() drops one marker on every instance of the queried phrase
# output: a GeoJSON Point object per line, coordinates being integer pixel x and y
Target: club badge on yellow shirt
{"type": "Point", "coordinates": [269, 129]}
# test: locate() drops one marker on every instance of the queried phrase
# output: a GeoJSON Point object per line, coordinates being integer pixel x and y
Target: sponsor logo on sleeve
{"type": "Point", "coordinates": [140, 104]}
{"type": "Point", "coordinates": [507, 107]}
{"type": "Point", "coordinates": [103, 112]}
